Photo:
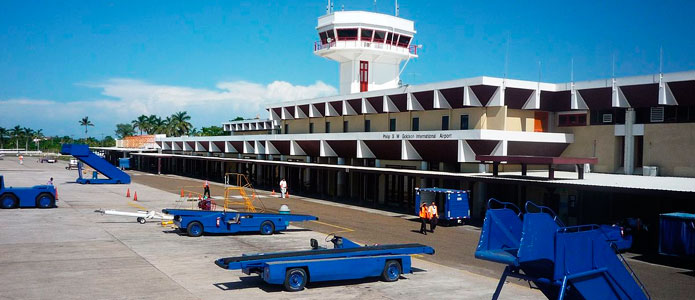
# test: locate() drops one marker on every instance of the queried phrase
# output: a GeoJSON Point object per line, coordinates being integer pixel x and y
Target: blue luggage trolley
{"type": "Point", "coordinates": [453, 202]}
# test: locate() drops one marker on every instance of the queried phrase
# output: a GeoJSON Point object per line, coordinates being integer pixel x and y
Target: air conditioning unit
{"type": "Point", "coordinates": [656, 114]}
{"type": "Point", "coordinates": [607, 118]}
{"type": "Point", "coordinates": [650, 171]}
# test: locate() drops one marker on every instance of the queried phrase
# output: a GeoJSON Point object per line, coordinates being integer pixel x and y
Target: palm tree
{"type": "Point", "coordinates": [86, 123]}
{"type": "Point", "coordinates": [141, 123]}
{"type": "Point", "coordinates": [16, 133]}
{"type": "Point", "coordinates": [155, 123]}
{"type": "Point", "coordinates": [3, 134]}
{"type": "Point", "coordinates": [180, 124]}
{"type": "Point", "coordinates": [38, 136]}
{"type": "Point", "coordinates": [28, 133]}
{"type": "Point", "coordinates": [124, 130]}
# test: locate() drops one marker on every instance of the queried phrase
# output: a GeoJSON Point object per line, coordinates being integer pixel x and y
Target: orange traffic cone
{"type": "Point", "coordinates": [200, 197]}
{"type": "Point", "coordinates": [181, 192]}
{"type": "Point", "coordinates": [127, 194]}
{"type": "Point", "coordinates": [273, 193]}
{"type": "Point", "coordinates": [56, 193]}
{"type": "Point", "coordinates": [189, 194]}
{"type": "Point", "coordinates": [135, 197]}
{"type": "Point", "coordinates": [287, 194]}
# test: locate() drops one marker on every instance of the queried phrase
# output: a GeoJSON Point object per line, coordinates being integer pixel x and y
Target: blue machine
{"type": "Point", "coordinates": [574, 262]}
{"type": "Point", "coordinates": [677, 234]}
{"type": "Point", "coordinates": [41, 196]}
{"type": "Point", "coordinates": [197, 222]}
{"type": "Point", "coordinates": [454, 202]}
{"type": "Point", "coordinates": [82, 152]}
{"type": "Point", "coordinates": [124, 163]}
{"type": "Point", "coordinates": [347, 260]}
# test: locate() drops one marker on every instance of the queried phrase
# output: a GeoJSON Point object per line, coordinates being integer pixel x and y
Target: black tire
{"type": "Point", "coordinates": [267, 227]}
{"type": "Point", "coordinates": [392, 271]}
{"type": "Point", "coordinates": [295, 279]}
{"type": "Point", "coordinates": [8, 201]}
{"type": "Point", "coordinates": [194, 229]}
{"type": "Point", "coordinates": [45, 200]}
{"type": "Point", "coordinates": [142, 220]}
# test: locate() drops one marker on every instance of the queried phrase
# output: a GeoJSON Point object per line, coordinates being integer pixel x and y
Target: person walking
{"type": "Point", "coordinates": [434, 216]}
{"type": "Point", "coordinates": [423, 218]}
{"type": "Point", "coordinates": [50, 182]}
{"type": "Point", "coordinates": [21, 159]}
{"type": "Point", "coordinates": [206, 189]}
{"type": "Point", "coordinates": [283, 188]}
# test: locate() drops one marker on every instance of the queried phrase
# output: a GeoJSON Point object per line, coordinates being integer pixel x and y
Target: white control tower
{"type": "Point", "coordinates": [369, 47]}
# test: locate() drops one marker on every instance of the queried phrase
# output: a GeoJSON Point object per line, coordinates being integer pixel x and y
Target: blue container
{"type": "Point", "coordinates": [452, 205]}
{"type": "Point", "coordinates": [124, 163]}
{"type": "Point", "coordinates": [677, 234]}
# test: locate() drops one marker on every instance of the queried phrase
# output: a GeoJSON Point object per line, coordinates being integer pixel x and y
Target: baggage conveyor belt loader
{"type": "Point", "coordinates": [575, 262]}
{"type": "Point", "coordinates": [197, 222]}
{"type": "Point", "coordinates": [347, 260]}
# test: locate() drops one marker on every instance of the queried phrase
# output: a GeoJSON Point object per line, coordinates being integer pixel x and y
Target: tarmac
{"type": "Point", "coordinates": [71, 252]}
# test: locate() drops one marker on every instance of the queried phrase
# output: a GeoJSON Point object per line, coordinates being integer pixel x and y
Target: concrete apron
{"type": "Point", "coordinates": [73, 253]}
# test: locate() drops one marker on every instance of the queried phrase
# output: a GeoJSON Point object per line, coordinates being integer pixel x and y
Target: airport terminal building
{"type": "Point", "coordinates": [379, 139]}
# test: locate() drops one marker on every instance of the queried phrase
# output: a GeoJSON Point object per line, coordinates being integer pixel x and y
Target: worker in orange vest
{"type": "Point", "coordinates": [423, 218]}
{"type": "Point", "coordinates": [433, 215]}
{"type": "Point", "coordinates": [206, 189]}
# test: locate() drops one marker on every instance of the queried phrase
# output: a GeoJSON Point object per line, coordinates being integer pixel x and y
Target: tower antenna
{"type": "Point", "coordinates": [374, 5]}
{"type": "Point", "coordinates": [572, 71]}
{"type": "Point", "coordinates": [661, 60]}
{"type": "Point", "coordinates": [328, 7]}
{"type": "Point", "coordinates": [396, 8]}
{"type": "Point", "coordinates": [506, 56]}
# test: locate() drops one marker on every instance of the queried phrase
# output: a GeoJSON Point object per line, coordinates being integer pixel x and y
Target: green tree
{"type": "Point", "coordinates": [211, 131]}
{"type": "Point", "coordinates": [193, 132]}
{"type": "Point", "coordinates": [124, 130]}
{"type": "Point", "coordinates": [86, 123]}
{"type": "Point", "coordinates": [16, 133]}
{"type": "Point", "coordinates": [179, 123]}
{"type": "Point", "coordinates": [108, 141]}
{"type": "Point", "coordinates": [141, 123]}
{"type": "Point", "coordinates": [3, 134]}
{"type": "Point", "coordinates": [157, 125]}
{"type": "Point", "coordinates": [37, 137]}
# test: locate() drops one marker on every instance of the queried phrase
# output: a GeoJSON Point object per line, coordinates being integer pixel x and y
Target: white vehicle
{"type": "Point", "coordinates": [142, 216]}
{"type": "Point", "coordinates": [72, 164]}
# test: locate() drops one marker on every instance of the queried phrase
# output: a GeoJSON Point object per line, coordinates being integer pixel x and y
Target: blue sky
{"type": "Point", "coordinates": [114, 60]}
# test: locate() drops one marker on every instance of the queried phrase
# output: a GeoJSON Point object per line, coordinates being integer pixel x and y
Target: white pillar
{"type": "Point", "coordinates": [629, 149]}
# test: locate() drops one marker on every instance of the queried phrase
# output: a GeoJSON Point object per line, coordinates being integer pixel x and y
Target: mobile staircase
{"type": "Point", "coordinates": [82, 153]}
{"type": "Point", "coordinates": [575, 262]}
{"type": "Point", "coordinates": [235, 182]}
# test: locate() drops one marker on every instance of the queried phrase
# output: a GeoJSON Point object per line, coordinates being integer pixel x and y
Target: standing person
{"type": "Point", "coordinates": [50, 182]}
{"type": "Point", "coordinates": [283, 187]}
{"type": "Point", "coordinates": [21, 159]}
{"type": "Point", "coordinates": [434, 216]}
{"type": "Point", "coordinates": [206, 188]}
{"type": "Point", "coordinates": [423, 218]}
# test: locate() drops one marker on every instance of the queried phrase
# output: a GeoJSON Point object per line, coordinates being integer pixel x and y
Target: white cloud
{"type": "Point", "coordinates": [132, 98]}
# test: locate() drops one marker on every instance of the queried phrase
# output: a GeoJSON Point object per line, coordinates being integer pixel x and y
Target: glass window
{"type": "Point", "coordinates": [416, 124]}
{"type": "Point", "coordinates": [445, 122]}
{"type": "Point", "coordinates": [324, 37]}
{"type": "Point", "coordinates": [367, 125]}
{"type": "Point", "coordinates": [328, 127]}
{"type": "Point", "coordinates": [331, 35]}
{"type": "Point", "coordinates": [404, 41]}
{"type": "Point", "coordinates": [572, 120]}
{"type": "Point", "coordinates": [464, 122]}
{"type": "Point", "coordinates": [347, 34]}
{"type": "Point", "coordinates": [311, 127]}
{"type": "Point", "coordinates": [366, 34]}
{"type": "Point", "coordinates": [392, 124]}
{"type": "Point", "coordinates": [379, 36]}
{"type": "Point", "coordinates": [394, 38]}
{"type": "Point", "coordinates": [287, 128]}
{"type": "Point", "coordinates": [345, 126]}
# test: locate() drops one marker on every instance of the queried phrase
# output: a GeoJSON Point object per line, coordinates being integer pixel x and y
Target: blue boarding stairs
{"type": "Point", "coordinates": [82, 153]}
{"type": "Point", "coordinates": [575, 262]}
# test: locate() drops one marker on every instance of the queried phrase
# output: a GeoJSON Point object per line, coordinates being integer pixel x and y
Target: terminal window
{"type": "Point", "coordinates": [328, 127]}
{"type": "Point", "coordinates": [345, 126]}
{"type": "Point", "coordinates": [445, 122]}
{"type": "Point", "coordinates": [311, 127]}
{"type": "Point", "coordinates": [416, 124]}
{"type": "Point", "coordinates": [287, 128]}
{"type": "Point", "coordinates": [464, 122]}
{"type": "Point", "coordinates": [367, 125]}
{"type": "Point", "coordinates": [392, 124]}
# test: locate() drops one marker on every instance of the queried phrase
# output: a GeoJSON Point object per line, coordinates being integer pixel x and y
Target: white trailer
{"type": "Point", "coordinates": [142, 216]}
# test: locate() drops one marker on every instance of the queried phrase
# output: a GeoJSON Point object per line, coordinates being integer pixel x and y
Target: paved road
{"type": "Point", "coordinates": [455, 246]}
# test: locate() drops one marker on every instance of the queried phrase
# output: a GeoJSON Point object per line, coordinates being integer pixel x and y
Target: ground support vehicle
{"type": "Point", "coordinates": [576, 262]}
{"type": "Point", "coordinates": [100, 165]}
{"type": "Point", "coordinates": [677, 235]}
{"type": "Point", "coordinates": [41, 196]}
{"type": "Point", "coordinates": [452, 205]}
{"type": "Point", "coordinates": [72, 164]}
{"type": "Point", "coordinates": [347, 260]}
{"type": "Point", "coordinates": [197, 222]}
{"type": "Point", "coordinates": [141, 215]}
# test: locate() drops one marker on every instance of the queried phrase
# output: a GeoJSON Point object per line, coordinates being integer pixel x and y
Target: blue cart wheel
{"type": "Point", "coordinates": [392, 271]}
{"type": "Point", "coordinates": [295, 279]}
{"type": "Point", "coordinates": [45, 200]}
{"type": "Point", "coordinates": [267, 227]}
{"type": "Point", "coordinates": [8, 201]}
{"type": "Point", "coordinates": [195, 229]}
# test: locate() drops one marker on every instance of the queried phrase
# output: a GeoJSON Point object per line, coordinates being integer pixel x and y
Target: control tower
{"type": "Point", "coordinates": [368, 46]}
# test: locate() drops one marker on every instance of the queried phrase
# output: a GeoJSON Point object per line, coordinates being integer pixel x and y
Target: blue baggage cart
{"type": "Point", "coordinates": [677, 234]}
{"type": "Point", "coordinates": [452, 205]}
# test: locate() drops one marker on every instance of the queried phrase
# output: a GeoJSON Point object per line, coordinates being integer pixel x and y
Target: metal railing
{"type": "Point", "coordinates": [319, 45]}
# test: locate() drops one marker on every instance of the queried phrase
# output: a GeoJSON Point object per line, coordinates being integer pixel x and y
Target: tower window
{"type": "Point", "coordinates": [379, 36]}
{"type": "Point", "coordinates": [324, 37]}
{"type": "Point", "coordinates": [394, 38]}
{"type": "Point", "coordinates": [404, 41]}
{"type": "Point", "coordinates": [347, 34]}
{"type": "Point", "coordinates": [367, 35]}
